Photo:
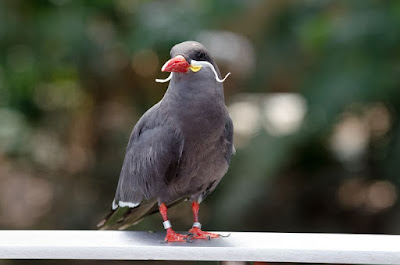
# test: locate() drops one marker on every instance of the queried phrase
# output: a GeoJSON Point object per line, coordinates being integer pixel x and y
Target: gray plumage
{"type": "Point", "coordinates": [180, 148]}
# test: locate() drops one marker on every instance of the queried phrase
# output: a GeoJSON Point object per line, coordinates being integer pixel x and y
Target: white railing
{"type": "Point", "coordinates": [272, 247]}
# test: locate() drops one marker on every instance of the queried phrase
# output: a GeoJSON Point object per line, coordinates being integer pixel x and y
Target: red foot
{"type": "Point", "coordinates": [197, 233]}
{"type": "Point", "coordinates": [172, 236]}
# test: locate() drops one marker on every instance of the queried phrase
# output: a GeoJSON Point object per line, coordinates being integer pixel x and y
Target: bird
{"type": "Point", "coordinates": [179, 149]}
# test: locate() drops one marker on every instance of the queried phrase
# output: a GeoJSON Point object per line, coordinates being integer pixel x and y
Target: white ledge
{"type": "Point", "coordinates": [273, 247]}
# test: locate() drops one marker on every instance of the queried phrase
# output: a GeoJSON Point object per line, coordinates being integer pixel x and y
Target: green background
{"type": "Point", "coordinates": [75, 76]}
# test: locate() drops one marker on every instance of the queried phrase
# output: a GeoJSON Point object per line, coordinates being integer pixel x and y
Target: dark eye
{"type": "Point", "coordinates": [201, 55]}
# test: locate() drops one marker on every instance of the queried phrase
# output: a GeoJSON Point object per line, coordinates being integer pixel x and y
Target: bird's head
{"type": "Point", "coordinates": [184, 57]}
{"type": "Point", "coordinates": [189, 58]}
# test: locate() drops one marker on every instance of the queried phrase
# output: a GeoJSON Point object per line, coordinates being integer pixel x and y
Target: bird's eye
{"type": "Point", "coordinates": [201, 55]}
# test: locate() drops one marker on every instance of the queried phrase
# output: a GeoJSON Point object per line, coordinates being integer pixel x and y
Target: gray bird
{"type": "Point", "coordinates": [179, 149]}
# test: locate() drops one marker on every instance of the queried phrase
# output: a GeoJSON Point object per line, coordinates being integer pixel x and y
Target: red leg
{"type": "Point", "coordinates": [171, 236]}
{"type": "Point", "coordinates": [195, 232]}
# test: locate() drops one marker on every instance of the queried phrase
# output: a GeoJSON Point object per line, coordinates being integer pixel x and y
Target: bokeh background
{"type": "Point", "coordinates": [314, 95]}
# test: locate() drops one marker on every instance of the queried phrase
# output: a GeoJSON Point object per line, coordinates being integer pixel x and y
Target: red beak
{"type": "Point", "coordinates": [176, 64]}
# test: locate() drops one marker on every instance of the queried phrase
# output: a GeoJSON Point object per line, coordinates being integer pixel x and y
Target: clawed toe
{"type": "Point", "coordinates": [197, 233]}
{"type": "Point", "coordinates": [172, 236]}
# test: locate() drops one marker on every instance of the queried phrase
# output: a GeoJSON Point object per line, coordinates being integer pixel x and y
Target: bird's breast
{"type": "Point", "coordinates": [199, 112]}
{"type": "Point", "coordinates": [202, 121]}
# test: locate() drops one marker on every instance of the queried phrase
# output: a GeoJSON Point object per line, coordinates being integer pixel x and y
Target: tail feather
{"type": "Point", "coordinates": [124, 217]}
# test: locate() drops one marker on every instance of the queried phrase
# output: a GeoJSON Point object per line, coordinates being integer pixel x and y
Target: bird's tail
{"type": "Point", "coordinates": [124, 217]}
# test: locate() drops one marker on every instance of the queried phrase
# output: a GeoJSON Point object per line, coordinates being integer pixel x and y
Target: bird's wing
{"type": "Point", "coordinates": [151, 161]}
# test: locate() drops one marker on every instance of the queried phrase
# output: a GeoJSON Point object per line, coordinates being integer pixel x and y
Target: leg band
{"type": "Point", "coordinates": [167, 224]}
{"type": "Point", "coordinates": [197, 224]}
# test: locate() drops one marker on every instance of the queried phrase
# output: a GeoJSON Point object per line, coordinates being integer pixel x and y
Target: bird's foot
{"type": "Point", "coordinates": [197, 233]}
{"type": "Point", "coordinates": [172, 236]}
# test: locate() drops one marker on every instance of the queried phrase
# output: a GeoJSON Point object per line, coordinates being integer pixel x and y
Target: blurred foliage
{"type": "Point", "coordinates": [75, 76]}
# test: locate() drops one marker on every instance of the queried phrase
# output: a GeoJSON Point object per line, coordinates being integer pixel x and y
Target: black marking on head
{"type": "Point", "coordinates": [201, 56]}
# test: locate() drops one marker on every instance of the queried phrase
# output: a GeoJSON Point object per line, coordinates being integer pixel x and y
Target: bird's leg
{"type": "Point", "coordinates": [195, 232]}
{"type": "Point", "coordinates": [171, 236]}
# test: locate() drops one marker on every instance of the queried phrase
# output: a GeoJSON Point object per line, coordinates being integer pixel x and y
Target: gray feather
{"type": "Point", "coordinates": [152, 157]}
{"type": "Point", "coordinates": [180, 148]}
{"type": "Point", "coordinates": [228, 138]}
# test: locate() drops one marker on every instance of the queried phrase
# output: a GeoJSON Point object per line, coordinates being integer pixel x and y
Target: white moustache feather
{"type": "Point", "coordinates": [198, 63]}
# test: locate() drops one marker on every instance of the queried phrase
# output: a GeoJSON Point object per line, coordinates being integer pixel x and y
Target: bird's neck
{"type": "Point", "coordinates": [201, 103]}
{"type": "Point", "coordinates": [192, 88]}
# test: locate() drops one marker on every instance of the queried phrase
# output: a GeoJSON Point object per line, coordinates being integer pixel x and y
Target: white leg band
{"type": "Point", "coordinates": [167, 224]}
{"type": "Point", "coordinates": [196, 224]}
